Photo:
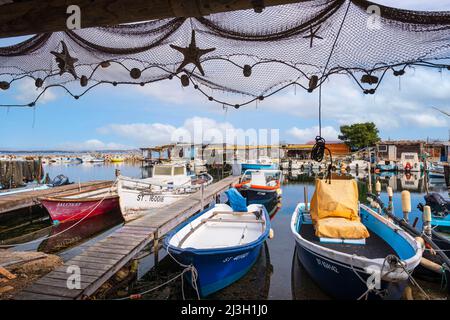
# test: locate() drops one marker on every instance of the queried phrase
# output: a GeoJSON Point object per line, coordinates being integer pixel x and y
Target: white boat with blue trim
{"type": "Point", "coordinates": [169, 183]}
{"type": "Point", "coordinates": [222, 244]}
{"type": "Point", "coordinates": [349, 250]}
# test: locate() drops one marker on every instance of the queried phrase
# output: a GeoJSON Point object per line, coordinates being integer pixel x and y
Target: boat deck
{"type": "Point", "coordinates": [375, 247]}
{"type": "Point", "coordinates": [103, 259]}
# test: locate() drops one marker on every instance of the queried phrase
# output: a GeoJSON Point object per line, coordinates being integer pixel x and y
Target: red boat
{"type": "Point", "coordinates": [80, 205]}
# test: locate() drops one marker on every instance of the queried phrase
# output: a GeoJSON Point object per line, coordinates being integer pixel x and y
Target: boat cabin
{"type": "Point", "coordinates": [262, 177]}
{"type": "Point", "coordinates": [170, 173]}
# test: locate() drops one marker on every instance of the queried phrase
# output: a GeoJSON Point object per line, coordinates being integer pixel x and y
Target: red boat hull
{"type": "Point", "coordinates": [71, 210]}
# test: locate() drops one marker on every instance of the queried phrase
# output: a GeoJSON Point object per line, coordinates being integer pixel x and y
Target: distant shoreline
{"type": "Point", "coordinates": [64, 151]}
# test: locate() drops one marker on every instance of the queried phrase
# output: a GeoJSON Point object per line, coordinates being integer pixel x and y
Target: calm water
{"type": "Point", "coordinates": [276, 275]}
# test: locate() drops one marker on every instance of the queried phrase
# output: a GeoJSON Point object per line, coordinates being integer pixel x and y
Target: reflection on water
{"type": "Point", "coordinates": [276, 275]}
{"type": "Point", "coordinates": [68, 234]}
{"type": "Point", "coordinates": [253, 286]}
{"type": "Point", "coordinates": [303, 286]}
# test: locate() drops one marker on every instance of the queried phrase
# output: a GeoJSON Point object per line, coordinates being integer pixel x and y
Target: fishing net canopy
{"type": "Point", "coordinates": [251, 54]}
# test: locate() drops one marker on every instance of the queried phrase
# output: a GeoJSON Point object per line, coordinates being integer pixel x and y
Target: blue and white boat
{"type": "Point", "coordinates": [220, 243]}
{"type": "Point", "coordinates": [376, 265]}
{"type": "Point", "coordinates": [440, 211]}
{"type": "Point", "coordinates": [263, 163]}
{"type": "Point", "coordinates": [261, 187]}
{"type": "Point", "coordinates": [386, 165]}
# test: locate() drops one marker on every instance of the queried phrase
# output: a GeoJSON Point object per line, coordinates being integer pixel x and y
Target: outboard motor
{"type": "Point", "coordinates": [59, 180]}
{"type": "Point", "coordinates": [438, 204]}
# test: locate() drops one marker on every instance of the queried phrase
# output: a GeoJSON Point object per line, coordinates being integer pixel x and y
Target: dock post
{"type": "Point", "coordinates": [156, 249]}
{"type": "Point", "coordinates": [202, 205]}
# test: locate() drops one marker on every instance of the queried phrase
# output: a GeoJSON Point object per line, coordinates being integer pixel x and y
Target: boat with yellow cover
{"type": "Point", "coordinates": [117, 159]}
{"type": "Point", "coordinates": [349, 250]}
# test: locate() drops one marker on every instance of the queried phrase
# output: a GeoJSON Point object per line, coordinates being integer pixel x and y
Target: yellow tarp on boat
{"type": "Point", "coordinates": [334, 210]}
{"type": "Point", "coordinates": [341, 228]}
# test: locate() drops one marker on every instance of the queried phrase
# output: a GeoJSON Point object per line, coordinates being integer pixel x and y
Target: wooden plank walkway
{"type": "Point", "coordinates": [28, 199]}
{"type": "Point", "coordinates": [102, 260]}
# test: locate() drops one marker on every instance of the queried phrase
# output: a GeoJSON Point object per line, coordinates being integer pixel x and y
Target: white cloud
{"type": "Point", "coordinates": [397, 103]}
{"type": "Point", "coordinates": [141, 133]}
{"type": "Point", "coordinates": [92, 145]}
{"type": "Point", "coordinates": [27, 92]}
{"type": "Point", "coordinates": [426, 120]}
{"type": "Point", "coordinates": [308, 134]}
{"type": "Point", "coordinates": [195, 129]}
{"type": "Point", "coordinates": [198, 129]}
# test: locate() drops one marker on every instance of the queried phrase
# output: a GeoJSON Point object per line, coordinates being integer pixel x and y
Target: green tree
{"type": "Point", "coordinates": [359, 135]}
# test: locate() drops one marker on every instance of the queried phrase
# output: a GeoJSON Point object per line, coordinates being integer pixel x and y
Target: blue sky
{"type": "Point", "coordinates": [126, 117]}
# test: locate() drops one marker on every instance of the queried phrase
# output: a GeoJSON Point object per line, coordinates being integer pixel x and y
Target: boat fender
{"type": "Point", "coordinates": [271, 233]}
{"type": "Point", "coordinates": [430, 265]}
{"type": "Point", "coordinates": [426, 218]}
{"type": "Point", "coordinates": [408, 293]}
{"type": "Point", "coordinates": [406, 204]}
{"type": "Point", "coordinates": [421, 242]}
{"type": "Point", "coordinates": [390, 192]}
{"type": "Point", "coordinates": [378, 187]}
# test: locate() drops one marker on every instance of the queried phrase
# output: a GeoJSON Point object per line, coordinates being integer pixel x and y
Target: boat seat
{"type": "Point", "coordinates": [258, 179]}
{"type": "Point", "coordinates": [340, 228]}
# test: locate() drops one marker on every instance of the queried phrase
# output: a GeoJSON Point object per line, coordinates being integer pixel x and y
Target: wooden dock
{"type": "Point", "coordinates": [102, 260]}
{"type": "Point", "coordinates": [28, 199]}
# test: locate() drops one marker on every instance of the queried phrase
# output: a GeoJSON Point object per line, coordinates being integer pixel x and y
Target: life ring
{"type": "Point", "coordinates": [408, 167]}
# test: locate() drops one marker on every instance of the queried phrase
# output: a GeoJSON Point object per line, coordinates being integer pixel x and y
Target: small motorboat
{"type": "Point", "coordinates": [386, 165]}
{"type": "Point", "coordinates": [435, 262]}
{"type": "Point", "coordinates": [440, 211]}
{"type": "Point", "coordinates": [59, 180]}
{"type": "Point", "coordinates": [259, 164]}
{"type": "Point", "coordinates": [350, 250]}
{"type": "Point", "coordinates": [81, 204]}
{"type": "Point", "coordinates": [117, 159]}
{"type": "Point", "coordinates": [169, 183]}
{"type": "Point", "coordinates": [261, 187]}
{"type": "Point", "coordinates": [221, 243]}
{"type": "Point", "coordinates": [91, 159]}
{"type": "Point", "coordinates": [409, 162]}
{"type": "Point", "coordinates": [358, 165]}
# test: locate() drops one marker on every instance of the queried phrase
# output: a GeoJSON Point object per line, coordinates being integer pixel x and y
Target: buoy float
{"type": "Point", "coordinates": [271, 233]}
{"type": "Point", "coordinates": [426, 218]}
{"type": "Point", "coordinates": [378, 187]}
{"type": "Point", "coordinates": [390, 192]}
{"type": "Point", "coordinates": [406, 204]}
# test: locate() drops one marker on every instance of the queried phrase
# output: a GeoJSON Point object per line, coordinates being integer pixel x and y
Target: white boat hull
{"type": "Point", "coordinates": [136, 203]}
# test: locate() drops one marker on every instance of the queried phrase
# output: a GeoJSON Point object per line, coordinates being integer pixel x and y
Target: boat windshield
{"type": "Point", "coordinates": [177, 171]}
{"type": "Point", "coordinates": [162, 171]}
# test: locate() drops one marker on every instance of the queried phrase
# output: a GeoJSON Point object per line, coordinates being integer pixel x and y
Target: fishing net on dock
{"type": "Point", "coordinates": [254, 56]}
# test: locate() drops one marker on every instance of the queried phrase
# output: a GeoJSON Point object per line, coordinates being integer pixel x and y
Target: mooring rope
{"type": "Point", "coordinates": [136, 296]}
{"type": "Point", "coordinates": [398, 264]}
{"type": "Point", "coordinates": [65, 230]}
{"type": "Point", "coordinates": [318, 150]}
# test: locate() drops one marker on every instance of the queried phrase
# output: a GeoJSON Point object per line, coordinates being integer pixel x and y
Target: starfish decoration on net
{"type": "Point", "coordinates": [192, 54]}
{"type": "Point", "coordinates": [66, 63]}
{"type": "Point", "coordinates": [312, 35]}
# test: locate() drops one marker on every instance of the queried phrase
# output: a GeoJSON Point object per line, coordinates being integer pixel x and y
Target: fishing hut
{"type": "Point", "coordinates": [303, 151]}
